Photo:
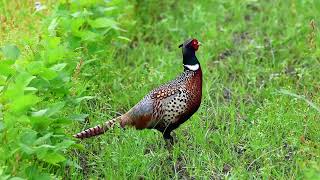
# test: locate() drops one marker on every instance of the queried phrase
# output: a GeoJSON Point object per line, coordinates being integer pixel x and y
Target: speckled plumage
{"type": "Point", "coordinates": [164, 108]}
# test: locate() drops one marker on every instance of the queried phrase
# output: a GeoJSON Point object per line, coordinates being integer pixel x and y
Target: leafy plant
{"type": "Point", "coordinates": [37, 90]}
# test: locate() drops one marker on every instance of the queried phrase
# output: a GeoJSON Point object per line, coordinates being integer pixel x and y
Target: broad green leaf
{"type": "Point", "coordinates": [26, 149]}
{"type": "Point", "coordinates": [39, 113]}
{"type": "Point", "coordinates": [64, 144]}
{"type": "Point", "coordinates": [54, 51]}
{"type": "Point", "coordinates": [108, 9]}
{"type": "Point", "coordinates": [43, 139]}
{"type": "Point", "coordinates": [6, 68]}
{"type": "Point", "coordinates": [53, 55]}
{"type": "Point", "coordinates": [76, 26]}
{"type": "Point", "coordinates": [79, 146]}
{"type": "Point", "coordinates": [13, 91]}
{"type": "Point", "coordinates": [3, 80]}
{"type": "Point", "coordinates": [45, 147]}
{"type": "Point", "coordinates": [11, 52]}
{"type": "Point", "coordinates": [103, 23]}
{"type": "Point", "coordinates": [58, 67]}
{"type": "Point", "coordinates": [62, 121]}
{"type": "Point", "coordinates": [1, 126]}
{"type": "Point", "coordinates": [78, 117]}
{"type": "Point", "coordinates": [40, 123]}
{"type": "Point", "coordinates": [34, 173]}
{"type": "Point", "coordinates": [89, 36]}
{"type": "Point", "coordinates": [52, 27]}
{"type": "Point", "coordinates": [28, 137]}
{"type": "Point", "coordinates": [51, 157]}
{"type": "Point", "coordinates": [17, 178]}
{"type": "Point", "coordinates": [23, 79]}
{"type": "Point", "coordinates": [35, 67]}
{"type": "Point", "coordinates": [48, 74]}
{"type": "Point", "coordinates": [24, 102]}
{"type": "Point", "coordinates": [17, 89]}
{"type": "Point", "coordinates": [52, 42]}
{"type": "Point", "coordinates": [40, 83]}
{"type": "Point", "coordinates": [30, 89]}
{"type": "Point", "coordinates": [5, 177]}
{"type": "Point", "coordinates": [54, 108]}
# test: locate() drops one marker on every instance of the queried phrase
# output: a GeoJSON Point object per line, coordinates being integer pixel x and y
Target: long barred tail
{"type": "Point", "coordinates": [97, 130]}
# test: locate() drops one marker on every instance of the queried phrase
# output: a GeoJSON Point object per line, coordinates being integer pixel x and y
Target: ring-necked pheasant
{"type": "Point", "coordinates": [166, 107]}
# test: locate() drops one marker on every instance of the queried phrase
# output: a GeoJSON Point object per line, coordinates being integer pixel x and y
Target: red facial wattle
{"type": "Point", "coordinates": [195, 44]}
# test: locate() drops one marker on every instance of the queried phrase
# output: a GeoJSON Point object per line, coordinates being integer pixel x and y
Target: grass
{"type": "Point", "coordinates": [259, 116]}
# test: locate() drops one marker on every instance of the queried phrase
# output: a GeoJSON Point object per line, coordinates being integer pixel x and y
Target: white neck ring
{"type": "Point", "coordinates": [192, 67]}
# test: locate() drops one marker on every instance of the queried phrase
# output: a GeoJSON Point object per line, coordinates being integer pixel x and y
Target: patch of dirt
{"type": "Point", "coordinates": [216, 175]}
{"type": "Point", "coordinates": [247, 17]}
{"type": "Point", "coordinates": [290, 151]}
{"type": "Point", "coordinates": [141, 177]}
{"type": "Point", "coordinates": [253, 166]}
{"type": "Point", "coordinates": [213, 127]}
{"type": "Point", "coordinates": [253, 7]}
{"type": "Point", "coordinates": [226, 168]}
{"type": "Point", "coordinates": [240, 149]}
{"type": "Point", "coordinates": [241, 117]}
{"type": "Point", "coordinates": [290, 70]}
{"type": "Point", "coordinates": [150, 149]}
{"type": "Point", "coordinates": [240, 37]}
{"type": "Point", "coordinates": [181, 169]}
{"type": "Point", "coordinates": [84, 165]}
{"type": "Point", "coordinates": [227, 94]}
{"type": "Point", "coordinates": [248, 99]}
{"type": "Point", "coordinates": [224, 54]}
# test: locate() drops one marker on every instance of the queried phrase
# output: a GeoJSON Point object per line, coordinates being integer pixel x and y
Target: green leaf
{"type": "Point", "coordinates": [17, 89]}
{"type": "Point", "coordinates": [89, 36]}
{"type": "Point", "coordinates": [40, 123]}
{"type": "Point", "coordinates": [6, 68]}
{"type": "Point", "coordinates": [76, 26]}
{"type": "Point", "coordinates": [22, 103]}
{"type": "Point", "coordinates": [26, 149]}
{"type": "Point", "coordinates": [54, 108]}
{"type": "Point", "coordinates": [45, 147]}
{"type": "Point", "coordinates": [43, 139]}
{"type": "Point", "coordinates": [78, 100]}
{"type": "Point", "coordinates": [28, 137]}
{"type": "Point", "coordinates": [48, 74]}
{"type": "Point", "coordinates": [78, 117]}
{"type": "Point", "coordinates": [5, 177]}
{"type": "Point", "coordinates": [1, 126]}
{"type": "Point", "coordinates": [124, 38]}
{"type": "Point", "coordinates": [17, 178]}
{"type": "Point", "coordinates": [39, 113]}
{"type": "Point", "coordinates": [58, 67]}
{"type": "Point", "coordinates": [52, 27]}
{"type": "Point", "coordinates": [34, 173]}
{"type": "Point", "coordinates": [73, 164]}
{"type": "Point", "coordinates": [64, 144]}
{"type": "Point", "coordinates": [11, 52]}
{"type": "Point", "coordinates": [51, 157]}
{"type": "Point", "coordinates": [30, 89]}
{"type": "Point", "coordinates": [79, 146]}
{"type": "Point", "coordinates": [35, 67]}
{"type": "Point", "coordinates": [23, 79]}
{"type": "Point", "coordinates": [103, 23]}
